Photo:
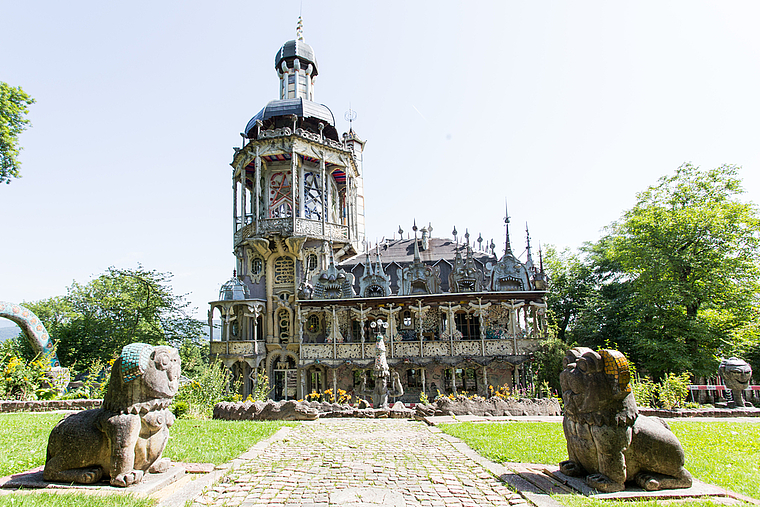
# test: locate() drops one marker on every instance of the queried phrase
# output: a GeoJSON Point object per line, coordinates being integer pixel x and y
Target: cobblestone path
{"type": "Point", "coordinates": [360, 462]}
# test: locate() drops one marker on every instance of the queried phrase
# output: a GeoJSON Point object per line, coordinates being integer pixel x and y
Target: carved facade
{"type": "Point", "coordinates": [307, 287]}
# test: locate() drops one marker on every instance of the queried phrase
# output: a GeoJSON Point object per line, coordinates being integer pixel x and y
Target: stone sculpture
{"type": "Point", "coordinates": [124, 438]}
{"type": "Point", "coordinates": [608, 442]}
{"type": "Point", "coordinates": [383, 377]}
{"type": "Point", "coordinates": [736, 375]}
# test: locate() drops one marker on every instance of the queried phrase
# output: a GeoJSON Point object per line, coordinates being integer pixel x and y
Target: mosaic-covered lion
{"type": "Point", "coordinates": [608, 442]}
{"type": "Point", "coordinates": [125, 438]}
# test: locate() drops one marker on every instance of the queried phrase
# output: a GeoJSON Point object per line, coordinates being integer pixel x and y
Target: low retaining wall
{"type": "Point", "coordinates": [492, 407]}
{"type": "Point", "coordinates": [47, 405]}
{"type": "Point", "coordinates": [702, 412]}
{"type": "Point", "coordinates": [301, 411]}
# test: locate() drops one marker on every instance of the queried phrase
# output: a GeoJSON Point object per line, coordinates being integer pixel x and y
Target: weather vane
{"type": "Point", "coordinates": [350, 116]}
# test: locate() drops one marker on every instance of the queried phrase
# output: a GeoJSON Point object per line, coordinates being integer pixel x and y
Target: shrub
{"type": "Point", "coordinates": [673, 390]}
{"type": "Point", "coordinates": [644, 391]}
{"type": "Point", "coordinates": [206, 390]}
{"type": "Point", "coordinates": [22, 380]}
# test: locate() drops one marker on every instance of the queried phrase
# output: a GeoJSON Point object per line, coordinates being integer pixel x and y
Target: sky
{"type": "Point", "coordinates": [563, 110]}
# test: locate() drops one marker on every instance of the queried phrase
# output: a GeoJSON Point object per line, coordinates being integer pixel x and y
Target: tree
{"type": "Point", "coordinates": [13, 121]}
{"type": "Point", "coordinates": [690, 248]}
{"type": "Point", "coordinates": [94, 321]}
{"type": "Point", "coordinates": [571, 286]}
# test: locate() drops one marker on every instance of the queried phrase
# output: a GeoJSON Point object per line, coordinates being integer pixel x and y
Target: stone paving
{"type": "Point", "coordinates": [359, 462]}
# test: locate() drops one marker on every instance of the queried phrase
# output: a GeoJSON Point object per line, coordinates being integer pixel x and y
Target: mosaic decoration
{"type": "Point", "coordinates": [32, 327]}
{"type": "Point", "coordinates": [616, 365]}
{"type": "Point", "coordinates": [135, 358]}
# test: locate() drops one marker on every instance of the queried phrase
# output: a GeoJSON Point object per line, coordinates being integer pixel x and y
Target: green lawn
{"type": "Point", "coordinates": [23, 439]}
{"type": "Point", "coordinates": [726, 453]}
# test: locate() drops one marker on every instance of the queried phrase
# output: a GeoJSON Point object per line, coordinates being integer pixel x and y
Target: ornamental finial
{"type": "Point", "coordinates": [299, 29]}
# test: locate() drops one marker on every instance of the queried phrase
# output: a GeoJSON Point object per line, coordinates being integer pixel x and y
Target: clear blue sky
{"type": "Point", "coordinates": [566, 109]}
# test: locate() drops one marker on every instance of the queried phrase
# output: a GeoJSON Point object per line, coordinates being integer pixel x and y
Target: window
{"type": "Point", "coordinates": [313, 324]}
{"type": "Point", "coordinates": [466, 379]}
{"type": "Point", "coordinates": [407, 319]}
{"type": "Point", "coordinates": [284, 271]}
{"type": "Point", "coordinates": [257, 266]}
{"type": "Point", "coordinates": [414, 378]}
{"type": "Point", "coordinates": [468, 325]}
{"type": "Point", "coordinates": [280, 197]}
{"type": "Point", "coordinates": [311, 262]}
{"type": "Point", "coordinates": [312, 196]}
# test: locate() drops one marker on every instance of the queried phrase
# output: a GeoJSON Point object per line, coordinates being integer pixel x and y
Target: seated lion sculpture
{"type": "Point", "coordinates": [125, 438]}
{"type": "Point", "coordinates": [608, 442]}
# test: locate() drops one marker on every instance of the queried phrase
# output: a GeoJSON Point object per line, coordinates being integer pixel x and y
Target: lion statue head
{"type": "Point", "coordinates": [143, 378]}
{"type": "Point", "coordinates": [596, 387]}
{"type": "Point", "coordinates": [736, 373]}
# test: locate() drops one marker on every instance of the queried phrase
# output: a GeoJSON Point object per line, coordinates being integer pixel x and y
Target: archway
{"type": "Point", "coordinates": [32, 327]}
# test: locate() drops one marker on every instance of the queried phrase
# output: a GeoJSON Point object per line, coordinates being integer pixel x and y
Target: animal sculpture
{"type": "Point", "coordinates": [124, 438]}
{"type": "Point", "coordinates": [608, 442]}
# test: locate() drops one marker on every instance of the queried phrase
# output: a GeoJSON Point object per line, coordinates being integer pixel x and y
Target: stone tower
{"type": "Point", "coordinates": [297, 203]}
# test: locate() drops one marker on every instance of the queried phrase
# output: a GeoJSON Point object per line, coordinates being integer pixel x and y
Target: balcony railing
{"type": "Point", "coordinates": [238, 348]}
{"type": "Point", "coordinates": [303, 227]}
{"type": "Point", "coordinates": [411, 349]}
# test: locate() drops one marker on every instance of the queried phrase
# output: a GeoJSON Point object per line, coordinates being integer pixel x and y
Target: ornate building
{"type": "Point", "coordinates": [306, 289]}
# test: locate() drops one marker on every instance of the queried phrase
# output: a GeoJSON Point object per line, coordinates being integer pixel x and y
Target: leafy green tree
{"type": "Point", "coordinates": [690, 248]}
{"type": "Point", "coordinates": [571, 286]}
{"type": "Point", "coordinates": [588, 297]}
{"type": "Point", "coordinates": [13, 121]}
{"type": "Point", "coordinates": [549, 356]}
{"type": "Point", "coordinates": [94, 321]}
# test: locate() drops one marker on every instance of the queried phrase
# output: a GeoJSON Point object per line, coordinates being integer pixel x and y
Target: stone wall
{"type": "Point", "coordinates": [47, 405]}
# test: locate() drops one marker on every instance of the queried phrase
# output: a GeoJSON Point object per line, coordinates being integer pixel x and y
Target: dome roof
{"type": "Point", "coordinates": [300, 107]}
{"type": "Point", "coordinates": [296, 49]}
{"type": "Point", "coordinates": [233, 290]}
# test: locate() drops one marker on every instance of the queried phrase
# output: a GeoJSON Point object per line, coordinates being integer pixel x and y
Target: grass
{"type": "Point", "coordinates": [726, 454]}
{"type": "Point", "coordinates": [190, 440]}
{"type": "Point", "coordinates": [23, 439]}
{"type": "Point", "coordinates": [73, 500]}
{"type": "Point", "coordinates": [217, 442]}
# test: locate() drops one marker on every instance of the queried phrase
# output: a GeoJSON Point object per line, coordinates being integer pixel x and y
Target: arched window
{"type": "Point", "coordinates": [311, 262]}
{"type": "Point", "coordinates": [313, 324]}
{"type": "Point", "coordinates": [407, 319]}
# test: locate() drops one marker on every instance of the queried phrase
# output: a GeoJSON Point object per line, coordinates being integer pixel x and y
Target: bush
{"type": "Point", "coordinates": [671, 392]}
{"type": "Point", "coordinates": [205, 391]}
{"type": "Point", "coordinates": [22, 380]}
{"type": "Point", "coordinates": [644, 391]}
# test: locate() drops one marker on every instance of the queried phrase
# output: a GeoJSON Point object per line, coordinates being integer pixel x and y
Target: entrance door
{"type": "Point", "coordinates": [285, 384]}
{"type": "Point", "coordinates": [315, 381]}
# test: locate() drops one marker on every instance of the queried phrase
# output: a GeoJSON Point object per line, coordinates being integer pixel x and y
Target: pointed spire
{"type": "Point", "coordinates": [507, 246]}
{"type": "Point", "coordinates": [299, 29]}
{"type": "Point", "coordinates": [529, 260]}
{"type": "Point", "coordinates": [540, 260]}
{"type": "Point", "coordinates": [379, 267]}
{"type": "Point", "coordinates": [416, 246]}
